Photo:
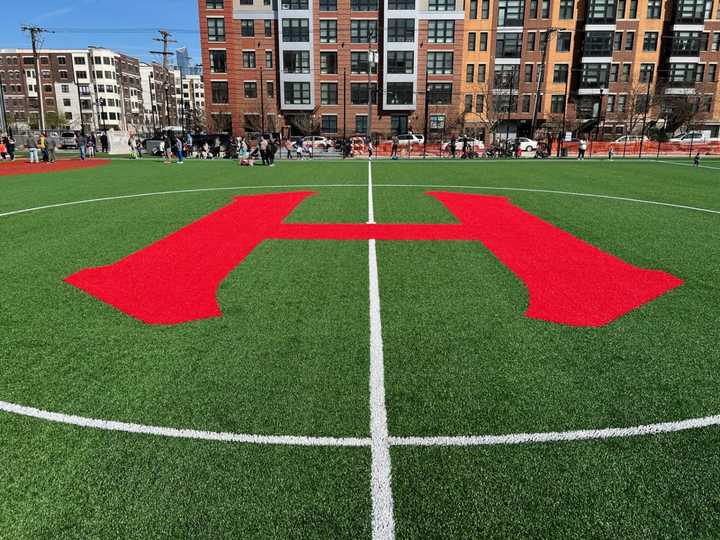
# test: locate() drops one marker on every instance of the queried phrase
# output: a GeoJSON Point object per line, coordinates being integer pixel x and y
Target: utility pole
{"type": "Point", "coordinates": [262, 103]}
{"type": "Point", "coordinates": [34, 32]}
{"type": "Point", "coordinates": [4, 126]}
{"type": "Point", "coordinates": [344, 103]}
{"type": "Point", "coordinates": [645, 112]}
{"type": "Point", "coordinates": [370, 65]}
{"type": "Point", "coordinates": [540, 78]}
{"type": "Point", "coordinates": [427, 110]}
{"type": "Point", "coordinates": [165, 53]}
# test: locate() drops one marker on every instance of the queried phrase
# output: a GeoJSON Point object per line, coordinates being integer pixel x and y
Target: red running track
{"type": "Point", "coordinates": [20, 166]}
{"type": "Point", "coordinates": [569, 281]}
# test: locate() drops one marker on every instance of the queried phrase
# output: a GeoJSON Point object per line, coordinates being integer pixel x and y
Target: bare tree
{"type": "Point", "coordinates": [306, 123]}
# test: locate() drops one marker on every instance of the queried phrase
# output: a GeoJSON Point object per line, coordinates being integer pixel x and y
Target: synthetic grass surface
{"type": "Point", "coordinates": [290, 356]}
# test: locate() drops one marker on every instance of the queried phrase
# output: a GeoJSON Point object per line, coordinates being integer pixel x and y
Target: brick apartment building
{"type": "Point", "coordinates": [302, 65]}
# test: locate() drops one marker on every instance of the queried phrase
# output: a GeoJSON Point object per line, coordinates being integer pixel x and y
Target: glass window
{"type": "Point", "coordinates": [219, 91]}
{"type": "Point", "coordinates": [363, 31]}
{"type": "Point", "coordinates": [646, 73]}
{"type": "Point", "coordinates": [653, 9]}
{"type": "Point", "coordinates": [545, 9]}
{"type": "Point", "coordinates": [508, 45]}
{"type": "Point", "coordinates": [296, 61]}
{"type": "Point", "coordinates": [633, 9]}
{"type": "Point", "coordinates": [360, 123]}
{"type": "Point", "coordinates": [247, 27]}
{"type": "Point", "coordinates": [401, 4]}
{"type": "Point", "coordinates": [528, 72]}
{"type": "Point", "coordinates": [557, 104]}
{"type": "Point", "coordinates": [218, 61]}
{"type": "Point", "coordinates": [629, 41]}
{"type": "Point", "coordinates": [526, 103]}
{"type": "Point", "coordinates": [328, 93]}
{"type": "Point", "coordinates": [297, 93]}
{"type": "Point", "coordinates": [601, 12]}
{"type": "Point", "coordinates": [267, 27]}
{"type": "Point", "coordinates": [563, 41]}
{"type": "Point", "coordinates": [468, 103]}
{"type": "Point", "coordinates": [472, 38]}
{"type": "Point", "coordinates": [473, 9]}
{"type": "Point", "coordinates": [470, 73]}
{"type": "Point", "coordinates": [530, 41]}
{"type": "Point", "coordinates": [690, 11]}
{"type": "Point", "coordinates": [248, 59]}
{"type": "Point", "coordinates": [359, 62]}
{"type": "Point", "coordinates": [440, 63]}
{"type": "Point", "coordinates": [483, 41]}
{"type": "Point", "coordinates": [401, 30]}
{"type": "Point", "coordinates": [560, 73]}
{"type": "Point", "coordinates": [650, 40]}
{"type": "Point", "coordinates": [268, 59]}
{"type": "Point", "coordinates": [364, 5]}
{"type": "Point", "coordinates": [626, 73]}
{"type": "Point", "coordinates": [359, 93]}
{"type": "Point", "coordinates": [400, 62]}
{"type": "Point", "coordinates": [216, 29]}
{"type": "Point", "coordinates": [297, 30]}
{"type": "Point", "coordinates": [441, 31]}
{"type": "Point", "coordinates": [328, 31]}
{"type": "Point", "coordinates": [617, 41]}
{"type": "Point", "coordinates": [400, 93]}
{"type": "Point", "coordinates": [270, 88]}
{"type": "Point", "coordinates": [511, 12]}
{"type": "Point", "coordinates": [480, 103]}
{"type": "Point", "coordinates": [250, 89]}
{"type": "Point", "coordinates": [328, 62]}
{"type": "Point", "coordinates": [328, 123]}
{"type": "Point", "coordinates": [620, 9]}
{"type": "Point", "coordinates": [485, 13]}
{"type": "Point", "coordinates": [295, 4]}
{"type": "Point", "coordinates": [598, 44]}
{"type": "Point", "coordinates": [594, 75]}
{"type": "Point", "coordinates": [439, 93]}
{"type": "Point", "coordinates": [614, 71]}
{"type": "Point", "coordinates": [567, 8]}
{"type": "Point", "coordinates": [481, 69]}
{"type": "Point", "coordinates": [328, 5]}
{"type": "Point", "coordinates": [441, 5]}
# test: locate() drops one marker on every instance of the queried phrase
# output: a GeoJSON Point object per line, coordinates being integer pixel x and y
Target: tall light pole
{"type": "Point", "coordinates": [34, 32]}
{"type": "Point", "coordinates": [369, 88]}
{"type": "Point", "coordinates": [4, 126]}
{"type": "Point", "coordinates": [541, 77]}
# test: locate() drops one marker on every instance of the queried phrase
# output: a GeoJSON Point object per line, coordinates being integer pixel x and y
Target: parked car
{"type": "Point", "coordinates": [526, 145]}
{"type": "Point", "coordinates": [631, 139]}
{"type": "Point", "coordinates": [317, 141]}
{"type": "Point", "coordinates": [475, 144]}
{"type": "Point", "coordinates": [687, 138]}
{"type": "Point", "coordinates": [410, 139]}
{"type": "Point", "coordinates": [68, 139]}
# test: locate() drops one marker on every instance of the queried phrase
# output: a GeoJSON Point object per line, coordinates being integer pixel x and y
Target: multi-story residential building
{"type": "Point", "coordinates": [606, 61]}
{"type": "Point", "coordinates": [313, 66]}
{"type": "Point", "coordinates": [91, 89]}
{"type": "Point", "coordinates": [191, 91]}
{"type": "Point", "coordinates": [161, 104]}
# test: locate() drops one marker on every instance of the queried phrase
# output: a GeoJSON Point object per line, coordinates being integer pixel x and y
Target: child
{"type": "Point", "coordinates": [696, 160]}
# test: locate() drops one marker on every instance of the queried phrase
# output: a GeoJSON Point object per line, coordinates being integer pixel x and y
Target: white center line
{"type": "Point", "coordinates": [383, 521]}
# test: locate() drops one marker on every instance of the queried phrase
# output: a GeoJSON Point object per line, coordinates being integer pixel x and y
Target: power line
{"type": "Point", "coordinates": [35, 33]}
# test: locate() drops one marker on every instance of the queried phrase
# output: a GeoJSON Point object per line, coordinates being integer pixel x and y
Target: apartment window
{"type": "Point", "coordinates": [296, 61]}
{"type": "Point", "coordinates": [700, 73]}
{"type": "Point", "coordinates": [328, 93]}
{"type": "Point", "coordinates": [485, 9]}
{"type": "Point", "coordinates": [360, 123]}
{"type": "Point", "coordinates": [81, 74]}
{"type": "Point", "coordinates": [66, 102]}
{"type": "Point", "coordinates": [601, 12]}
{"type": "Point", "coordinates": [706, 106]}
{"type": "Point", "coordinates": [563, 41]}
{"type": "Point", "coordinates": [481, 69]}
{"type": "Point", "coordinates": [268, 59]}
{"type": "Point", "coordinates": [328, 123]}
{"type": "Point", "coordinates": [508, 45]}
{"type": "Point", "coordinates": [328, 31]}
{"type": "Point", "coordinates": [473, 9]}
{"type": "Point", "coordinates": [439, 93]}
{"type": "Point", "coordinates": [400, 61]}
{"type": "Point", "coordinates": [216, 30]}
{"type": "Point", "coordinates": [215, 4]}
{"type": "Point", "coordinates": [219, 91]}
{"type": "Point", "coordinates": [400, 93]}
{"type": "Point", "coordinates": [364, 5]}
{"type": "Point", "coordinates": [690, 11]}
{"type": "Point", "coordinates": [328, 5]}
{"type": "Point", "coordinates": [614, 70]}
{"type": "Point", "coordinates": [610, 107]}
{"type": "Point", "coordinates": [64, 88]}
{"type": "Point", "coordinates": [566, 9]}
{"type": "Point", "coordinates": [650, 41]}
{"type": "Point", "coordinates": [80, 61]}
{"type": "Point", "coordinates": [533, 9]}
{"type": "Point", "coordinates": [267, 27]}
{"type": "Point", "coordinates": [511, 12]}
{"type": "Point", "coordinates": [328, 62]}
{"type": "Point", "coordinates": [480, 103]}
{"type": "Point", "coordinates": [61, 60]}
{"type": "Point", "coordinates": [247, 27]}
{"type": "Point", "coordinates": [250, 90]}
{"type": "Point", "coordinates": [629, 41]}
{"type": "Point", "coordinates": [297, 30]}
{"type": "Point", "coordinates": [441, 31]}
{"type": "Point", "coordinates": [625, 73]}
{"type": "Point", "coordinates": [440, 63]}
{"type": "Point", "coordinates": [526, 103]}
{"type": "Point", "coordinates": [359, 62]}
{"type": "Point", "coordinates": [218, 61]}
{"type": "Point", "coordinates": [472, 38]}
{"type": "Point", "coordinates": [362, 31]}
{"type": "Point", "coordinates": [483, 41]}
{"type": "Point", "coordinates": [712, 72]}
{"type": "Point", "coordinates": [653, 9]}
{"type": "Point", "coordinates": [598, 44]}
{"type": "Point", "coordinates": [560, 73]}
{"type": "Point", "coordinates": [505, 76]}
{"type": "Point", "coordinates": [557, 104]}
{"type": "Point", "coordinates": [401, 30]}
{"type": "Point", "coordinates": [620, 9]}
{"type": "Point", "coordinates": [63, 74]}
{"type": "Point", "coordinates": [468, 103]}
{"type": "Point", "coordinates": [297, 93]}
{"type": "Point", "coordinates": [248, 59]}
{"type": "Point", "coordinates": [401, 4]}
{"type": "Point", "coordinates": [633, 9]}
{"type": "Point", "coordinates": [617, 41]}
{"type": "Point", "coordinates": [470, 73]}
{"type": "Point", "coordinates": [528, 73]}
{"type": "Point", "coordinates": [359, 93]}
{"type": "Point", "coordinates": [270, 89]}
{"type": "Point", "coordinates": [646, 73]}
{"type": "Point", "coordinates": [530, 41]}
{"type": "Point", "coordinates": [594, 75]}
{"type": "Point", "coordinates": [621, 103]}
{"type": "Point", "coordinates": [441, 5]}
{"type": "Point", "coordinates": [545, 9]}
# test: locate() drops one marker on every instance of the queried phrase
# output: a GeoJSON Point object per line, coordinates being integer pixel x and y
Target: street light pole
{"type": "Point", "coordinates": [647, 106]}
{"type": "Point", "coordinates": [3, 110]}
{"type": "Point", "coordinates": [369, 88]}
{"type": "Point", "coordinates": [427, 111]}
{"type": "Point", "coordinates": [541, 77]}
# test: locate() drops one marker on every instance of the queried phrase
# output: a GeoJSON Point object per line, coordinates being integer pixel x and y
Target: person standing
{"type": "Point", "coordinates": [42, 145]}
{"type": "Point", "coordinates": [50, 145]}
{"type": "Point", "coordinates": [263, 150]}
{"type": "Point", "coordinates": [133, 147]}
{"type": "Point", "coordinates": [394, 148]}
{"type": "Point", "coordinates": [10, 147]}
{"type": "Point", "coordinates": [581, 149]}
{"type": "Point", "coordinates": [168, 148]}
{"type": "Point", "coordinates": [82, 145]}
{"type": "Point", "coordinates": [272, 149]}
{"type": "Point", "coordinates": [32, 147]}
{"type": "Point", "coordinates": [91, 145]}
{"type": "Point", "coordinates": [370, 148]}
{"type": "Point", "coordinates": [696, 160]}
{"type": "Point", "coordinates": [179, 150]}
{"type": "Point", "coordinates": [453, 143]}
{"type": "Point", "coordinates": [104, 142]}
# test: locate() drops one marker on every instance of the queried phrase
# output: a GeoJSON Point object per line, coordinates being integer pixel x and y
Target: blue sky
{"type": "Point", "coordinates": [95, 16]}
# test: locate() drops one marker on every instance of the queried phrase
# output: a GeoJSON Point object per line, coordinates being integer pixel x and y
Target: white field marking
{"type": "Point", "coordinates": [558, 436]}
{"type": "Point", "coordinates": [427, 186]}
{"type": "Point", "coordinates": [383, 521]}
{"type": "Point", "coordinates": [470, 440]}
{"type": "Point", "coordinates": [110, 425]}
{"type": "Point", "coordinates": [687, 165]}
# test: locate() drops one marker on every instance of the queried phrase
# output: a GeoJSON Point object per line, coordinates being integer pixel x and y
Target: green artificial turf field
{"type": "Point", "coordinates": [291, 358]}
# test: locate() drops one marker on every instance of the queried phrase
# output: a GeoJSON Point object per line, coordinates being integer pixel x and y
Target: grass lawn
{"type": "Point", "coordinates": [291, 356]}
